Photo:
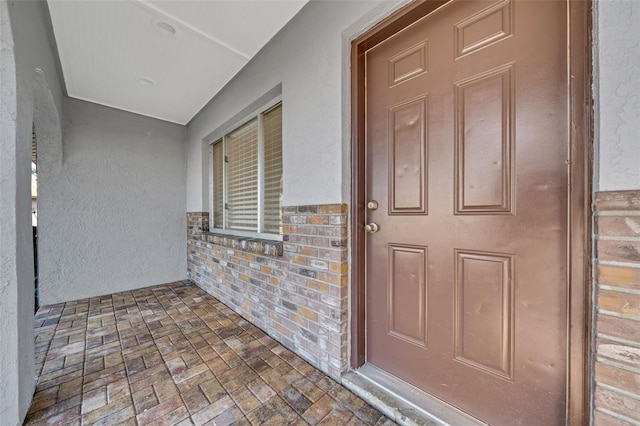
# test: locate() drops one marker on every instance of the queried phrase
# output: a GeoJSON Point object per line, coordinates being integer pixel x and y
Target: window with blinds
{"type": "Point", "coordinates": [247, 176]}
{"type": "Point", "coordinates": [242, 178]}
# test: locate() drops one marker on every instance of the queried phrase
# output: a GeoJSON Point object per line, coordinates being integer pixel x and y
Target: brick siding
{"type": "Point", "coordinates": [617, 344]}
{"type": "Point", "coordinates": [296, 290]}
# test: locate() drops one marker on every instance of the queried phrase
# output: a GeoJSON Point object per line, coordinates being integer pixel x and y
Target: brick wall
{"type": "Point", "coordinates": [617, 345]}
{"type": "Point", "coordinates": [296, 291]}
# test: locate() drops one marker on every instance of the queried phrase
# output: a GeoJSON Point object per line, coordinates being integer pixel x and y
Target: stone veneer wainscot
{"type": "Point", "coordinates": [617, 344]}
{"type": "Point", "coordinates": [295, 290]}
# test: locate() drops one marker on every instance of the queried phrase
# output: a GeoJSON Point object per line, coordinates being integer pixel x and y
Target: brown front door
{"type": "Point", "coordinates": [467, 141]}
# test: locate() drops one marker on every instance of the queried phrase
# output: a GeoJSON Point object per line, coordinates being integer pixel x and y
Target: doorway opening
{"type": "Point", "coordinates": [34, 212]}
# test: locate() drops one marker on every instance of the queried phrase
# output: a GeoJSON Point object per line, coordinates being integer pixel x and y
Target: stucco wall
{"type": "Point", "coordinates": [112, 218]}
{"type": "Point", "coordinates": [305, 60]}
{"type": "Point", "coordinates": [31, 92]}
{"type": "Point", "coordinates": [617, 94]}
{"type": "Point", "coordinates": [306, 57]}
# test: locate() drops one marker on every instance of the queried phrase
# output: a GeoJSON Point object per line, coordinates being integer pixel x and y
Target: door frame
{"type": "Point", "coordinates": [579, 217]}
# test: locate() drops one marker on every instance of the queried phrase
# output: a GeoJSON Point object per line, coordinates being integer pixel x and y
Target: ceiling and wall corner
{"type": "Point", "coordinates": [305, 58]}
{"type": "Point", "coordinates": [162, 59]}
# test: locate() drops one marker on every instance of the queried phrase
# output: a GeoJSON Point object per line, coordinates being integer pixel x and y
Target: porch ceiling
{"type": "Point", "coordinates": [163, 59]}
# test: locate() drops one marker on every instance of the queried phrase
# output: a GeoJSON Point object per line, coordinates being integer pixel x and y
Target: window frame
{"type": "Point", "coordinates": [257, 113]}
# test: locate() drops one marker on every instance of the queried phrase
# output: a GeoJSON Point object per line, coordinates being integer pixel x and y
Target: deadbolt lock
{"type": "Point", "coordinates": [372, 205]}
{"type": "Point", "coordinates": [371, 228]}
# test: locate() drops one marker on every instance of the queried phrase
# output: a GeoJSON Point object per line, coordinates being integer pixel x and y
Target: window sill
{"type": "Point", "coordinates": [249, 244]}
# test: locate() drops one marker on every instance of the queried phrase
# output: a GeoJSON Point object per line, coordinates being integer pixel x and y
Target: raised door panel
{"type": "Point", "coordinates": [407, 299]}
{"type": "Point", "coordinates": [408, 157]}
{"type": "Point", "coordinates": [483, 311]}
{"type": "Point", "coordinates": [484, 143]}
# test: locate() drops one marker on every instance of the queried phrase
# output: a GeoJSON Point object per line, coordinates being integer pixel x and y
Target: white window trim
{"type": "Point", "coordinates": [257, 113]}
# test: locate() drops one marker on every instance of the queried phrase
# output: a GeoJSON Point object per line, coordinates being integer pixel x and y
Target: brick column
{"type": "Point", "coordinates": [617, 346]}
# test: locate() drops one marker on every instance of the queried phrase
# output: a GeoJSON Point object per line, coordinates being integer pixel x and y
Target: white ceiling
{"type": "Point", "coordinates": [124, 55]}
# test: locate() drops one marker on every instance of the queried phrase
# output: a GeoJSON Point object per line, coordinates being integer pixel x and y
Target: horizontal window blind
{"type": "Point", "coordinates": [272, 136]}
{"type": "Point", "coordinates": [217, 161]}
{"type": "Point", "coordinates": [246, 174]}
{"type": "Point", "coordinates": [242, 177]}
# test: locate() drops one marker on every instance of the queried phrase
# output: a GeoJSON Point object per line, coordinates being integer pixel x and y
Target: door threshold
{"type": "Point", "coordinates": [401, 402]}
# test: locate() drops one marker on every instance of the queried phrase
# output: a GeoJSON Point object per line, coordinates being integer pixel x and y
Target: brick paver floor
{"type": "Point", "coordinates": [174, 355]}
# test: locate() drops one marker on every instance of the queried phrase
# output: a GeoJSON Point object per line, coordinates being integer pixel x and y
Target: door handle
{"type": "Point", "coordinates": [371, 228]}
